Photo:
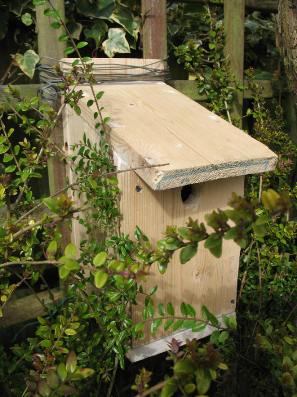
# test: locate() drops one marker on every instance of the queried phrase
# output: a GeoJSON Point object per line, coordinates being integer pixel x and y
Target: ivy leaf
{"type": "Point", "coordinates": [96, 32]}
{"type": "Point", "coordinates": [27, 62]}
{"type": "Point", "coordinates": [100, 259]}
{"type": "Point", "coordinates": [187, 253]}
{"type": "Point", "coordinates": [100, 278]}
{"type": "Point", "coordinates": [75, 29]}
{"type": "Point", "coordinates": [96, 9]}
{"type": "Point", "coordinates": [124, 17]}
{"type": "Point", "coordinates": [214, 244]}
{"type": "Point", "coordinates": [116, 43]}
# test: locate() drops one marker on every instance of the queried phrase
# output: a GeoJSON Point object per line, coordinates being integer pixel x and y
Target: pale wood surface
{"type": "Point", "coordinates": [152, 123]}
{"type": "Point", "coordinates": [204, 280]}
{"type": "Point", "coordinates": [27, 308]}
{"type": "Point", "coordinates": [158, 346]}
{"type": "Point", "coordinates": [123, 68]}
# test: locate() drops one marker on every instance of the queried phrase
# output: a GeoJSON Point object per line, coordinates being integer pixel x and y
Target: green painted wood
{"type": "Point", "coordinates": [234, 48]}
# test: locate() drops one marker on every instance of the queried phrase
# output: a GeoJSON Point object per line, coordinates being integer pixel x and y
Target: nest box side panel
{"type": "Point", "coordinates": [204, 280]}
{"type": "Point", "coordinates": [74, 128]}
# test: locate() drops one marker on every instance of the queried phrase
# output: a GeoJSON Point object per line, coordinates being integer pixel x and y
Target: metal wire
{"type": "Point", "coordinates": [102, 73]}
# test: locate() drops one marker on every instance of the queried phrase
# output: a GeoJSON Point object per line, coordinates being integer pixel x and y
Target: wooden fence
{"type": "Point", "coordinates": [154, 35]}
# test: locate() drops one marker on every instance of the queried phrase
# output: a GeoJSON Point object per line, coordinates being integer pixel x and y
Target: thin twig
{"type": "Point", "coordinates": [28, 263]}
{"type": "Point", "coordinates": [111, 385]}
{"type": "Point", "coordinates": [152, 389]}
{"type": "Point", "coordinates": [104, 175]}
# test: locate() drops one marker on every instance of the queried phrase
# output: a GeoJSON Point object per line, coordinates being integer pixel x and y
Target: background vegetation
{"type": "Point", "coordinates": [78, 347]}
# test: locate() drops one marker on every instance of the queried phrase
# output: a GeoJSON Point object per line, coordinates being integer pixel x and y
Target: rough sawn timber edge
{"type": "Point", "coordinates": [162, 345]}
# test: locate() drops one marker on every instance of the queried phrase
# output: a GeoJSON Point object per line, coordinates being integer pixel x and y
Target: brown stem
{"type": "Point", "coordinates": [28, 263]}
{"type": "Point", "coordinates": [152, 389]}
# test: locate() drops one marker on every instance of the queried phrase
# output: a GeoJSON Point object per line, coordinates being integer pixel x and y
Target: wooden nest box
{"type": "Point", "coordinates": [152, 123]}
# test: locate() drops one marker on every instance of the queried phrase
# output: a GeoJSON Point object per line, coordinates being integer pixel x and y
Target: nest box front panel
{"type": "Point", "coordinates": [205, 280]}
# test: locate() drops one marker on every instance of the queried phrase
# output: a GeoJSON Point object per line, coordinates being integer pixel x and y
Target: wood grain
{"type": "Point", "coordinates": [152, 123]}
{"type": "Point", "coordinates": [205, 279]}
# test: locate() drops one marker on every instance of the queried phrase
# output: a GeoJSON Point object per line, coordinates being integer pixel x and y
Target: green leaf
{"type": "Point", "coordinates": [90, 103]}
{"type": "Point", "coordinates": [96, 32]}
{"type": "Point", "coordinates": [99, 95]}
{"type": "Point", "coordinates": [168, 324]}
{"type": "Point", "coordinates": [10, 168]}
{"type": "Point", "coordinates": [170, 309]}
{"type": "Point", "coordinates": [39, 2]}
{"type": "Point", "coordinates": [100, 259]}
{"type": "Point", "coordinates": [116, 43]}
{"type": "Point", "coordinates": [63, 272]}
{"type": "Point", "coordinates": [203, 381]}
{"type": "Point", "coordinates": [96, 8]}
{"type": "Point", "coordinates": [3, 149]}
{"type": "Point", "coordinates": [62, 372]}
{"type": "Point", "coordinates": [155, 325]}
{"type": "Point", "coordinates": [184, 366]}
{"type": "Point", "coordinates": [51, 204]}
{"type": "Point", "coordinates": [69, 264]}
{"type": "Point", "coordinates": [214, 244]}
{"type": "Point", "coordinates": [161, 309]}
{"type": "Point", "coordinates": [71, 362]}
{"type": "Point", "coordinates": [207, 315]}
{"type": "Point", "coordinates": [169, 389]}
{"type": "Point", "coordinates": [75, 29]}
{"type": "Point", "coordinates": [27, 62]}
{"type": "Point", "coordinates": [52, 249]}
{"type": "Point", "coordinates": [52, 379]}
{"type": "Point", "coordinates": [124, 17]}
{"type": "Point", "coordinates": [82, 44]}
{"type": "Point", "coordinates": [183, 309]}
{"type": "Point", "coordinates": [27, 19]}
{"type": "Point", "coordinates": [69, 50]}
{"type": "Point", "coordinates": [100, 278]}
{"type": "Point", "coordinates": [187, 253]}
{"type": "Point", "coordinates": [198, 327]}
{"type": "Point", "coordinates": [70, 331]}
{"type": "Point", "coordinates": [71, 251]}
{"type": "Point", "coordinates": [43, 389]}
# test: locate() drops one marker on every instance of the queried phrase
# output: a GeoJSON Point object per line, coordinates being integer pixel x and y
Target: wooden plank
{"type": "Point", "coordinates": [162, 345]}
{"type": "Point", "coordinates": [27, 308]}
{"type": "Point", "coordinates": [262, 5]}
{"type": "Point", "coordinates": [234, 47]}
{"type": "Point", "coordinates": [152, 123]}
{"type": "Point", "coordinates": [154, 29]}
{"type": "Point", "coordinates": [205, 280]}
{"type": "Point", "coordinates": [189, 88]}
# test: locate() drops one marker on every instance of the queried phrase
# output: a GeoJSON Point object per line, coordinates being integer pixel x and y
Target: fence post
{"type": "Point", "coordinates": [234, 11]}
{"type": "Point", "coordinates": [50, 50]}
{"type": "Point", "coordinates": [154, 29]}
{"type": "Point", "coordinates": [50, 46]}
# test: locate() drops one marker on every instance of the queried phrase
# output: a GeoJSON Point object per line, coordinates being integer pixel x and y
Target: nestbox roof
{"type": "Point", "coordinates": [152, 123]}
